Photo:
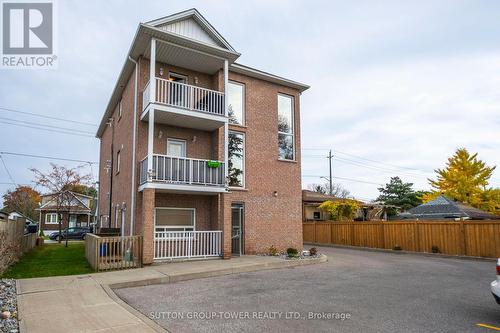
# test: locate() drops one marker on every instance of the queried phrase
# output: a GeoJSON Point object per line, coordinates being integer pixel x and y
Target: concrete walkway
{"type": "Point", "coordinates": [86, 303]}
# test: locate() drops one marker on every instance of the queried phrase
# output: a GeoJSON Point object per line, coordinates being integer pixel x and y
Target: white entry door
{"type": "Point", "coordinates": [176, 147]}
{"type": "Point", "coordinates": [72, 221]}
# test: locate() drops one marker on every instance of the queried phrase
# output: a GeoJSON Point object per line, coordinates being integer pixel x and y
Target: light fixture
{"type": "Point", "coordinates": [194, 138]}
{"type": "Point", "coordinates": [161, 71]}
{"type": "Point", "coordinates": [195, 80]}
{"type": "Point", "coordinates": [160, 134]}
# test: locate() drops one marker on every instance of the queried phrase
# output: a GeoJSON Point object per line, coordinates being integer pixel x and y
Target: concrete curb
{"type": "Point", "coordinates": [152, 324]}
{"type": "Point", "coordinates": [424, 254]}
{"type": "Point", "coordinates": [172, 278]}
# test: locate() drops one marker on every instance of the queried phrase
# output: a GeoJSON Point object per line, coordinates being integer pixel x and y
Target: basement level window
{"type": "Point", "coordinates": [175, 220]}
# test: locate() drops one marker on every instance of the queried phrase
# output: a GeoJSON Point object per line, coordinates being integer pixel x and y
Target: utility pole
{"type": "Point", "coordinates": [330, 156]}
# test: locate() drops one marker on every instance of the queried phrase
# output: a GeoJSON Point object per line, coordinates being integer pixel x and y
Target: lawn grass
{"type": "Point", "coordinates": [51, 260]}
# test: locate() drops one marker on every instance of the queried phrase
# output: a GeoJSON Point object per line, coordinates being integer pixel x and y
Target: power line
{"type": "Point", "coordinates": [47, 157]}
{"type": "Point", "coordinates": [48, 117]}
{"type": "Point", "coordinates": [45, 125]}
{"type": "Point", "coordinates": [347, 179]}
{"type": "Point", "coordinates": [372, 167]}
{"type": "Point", "coordinates": [46, 129]}
{"type": "Point", "coordinates": [362, 158]}
{"type": "Point", "coordinates": [7, 170]}
{"type": "Point", "coordinates": [379, 162]}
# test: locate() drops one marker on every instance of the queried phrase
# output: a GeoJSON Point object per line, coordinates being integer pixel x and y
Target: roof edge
{"type": "Point", "coordinates": [253, 72]}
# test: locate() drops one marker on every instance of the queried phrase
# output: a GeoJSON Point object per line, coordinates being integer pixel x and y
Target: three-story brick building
{"type": "Point", "coordinates": [199, 154]}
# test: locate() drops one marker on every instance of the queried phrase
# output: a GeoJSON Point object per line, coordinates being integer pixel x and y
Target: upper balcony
{"type": "Point", "coordinates": [184, 105]}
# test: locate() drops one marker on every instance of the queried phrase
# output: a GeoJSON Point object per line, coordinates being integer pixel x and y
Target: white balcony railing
{"type": "Point", "coordinates": [182, 170]}
{"type": "Point", "coordinates": [186, 244]}
{"type": "Point", "coordinates": [185, 96]}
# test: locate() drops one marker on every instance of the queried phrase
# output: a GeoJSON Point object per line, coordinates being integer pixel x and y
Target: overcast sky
{"type": "Point", "coordinates": [396, 86]}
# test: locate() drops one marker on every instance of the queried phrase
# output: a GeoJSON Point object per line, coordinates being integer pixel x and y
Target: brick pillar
{"type": "Point", "coordinates": [225, 213]}
{"type": "Point", "coordinates": [148, 210]}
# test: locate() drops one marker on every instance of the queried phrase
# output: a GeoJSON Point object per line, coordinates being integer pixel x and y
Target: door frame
{"type": "Point", "coordinates": [75, 221]}
{"type": "Point", "coordinates": [182, 141]}
{"type": "Point", "coordinates": [241, 207]}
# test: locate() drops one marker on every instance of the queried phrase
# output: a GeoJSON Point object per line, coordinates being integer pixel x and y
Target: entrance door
{"type": "Point", "coordinates": [72, 221]}
{"type": "Point", "coordinates": [237, 227]}
{"type": "Point", "coordinates": [178, 92]}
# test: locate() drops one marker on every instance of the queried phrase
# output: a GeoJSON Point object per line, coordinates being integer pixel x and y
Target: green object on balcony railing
{"type": "Point", "coordinates": [213, 164]}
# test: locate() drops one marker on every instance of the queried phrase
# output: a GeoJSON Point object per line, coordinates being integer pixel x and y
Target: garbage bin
{"type": "Point", "coordinates": [102, 250]}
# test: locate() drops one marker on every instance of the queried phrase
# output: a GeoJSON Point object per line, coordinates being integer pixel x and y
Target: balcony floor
{"type": "Point", "coordinates": [180, 188]}
{"type": "Point", "coordinates": [176, 116]}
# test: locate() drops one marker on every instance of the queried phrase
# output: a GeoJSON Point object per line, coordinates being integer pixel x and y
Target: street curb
{"type": "Point", "coordinates": [172, 278]}
{"type": "Point", "coordinates": [139, 315]}
{"type": "Point", "coordinates": [424, 254]}
{"type": "Point", "coordinates": [108, 288]}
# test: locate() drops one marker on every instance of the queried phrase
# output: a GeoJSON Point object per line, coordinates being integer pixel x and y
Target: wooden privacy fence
{"type": "Point", "coordinates": [117, 252]}
{"type": "Point", "coordinates": [469, 238]}
{"type": "Point", "coordinates": [13, 241]}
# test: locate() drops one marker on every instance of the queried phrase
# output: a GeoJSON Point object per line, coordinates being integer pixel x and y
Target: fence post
{"type": "Point", "coordinates": [352, 233]}
{"type": "Point", "coordinates": [382, 225]}
{"type": "Point", "coordinates": [416, 232]}
{"type": "Point", "coordinates": [463, 241]}
{"type": "Point", "coordinates": [314, 233]}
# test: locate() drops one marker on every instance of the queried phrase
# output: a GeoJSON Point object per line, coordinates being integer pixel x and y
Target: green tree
{"type": "Point", "coordinates": [24, 199]}
{"type": "Point", "coordinates": [340, 210]}
{"type": "Point", "coordinates": [399, 194]}
{"type": "Point", "coordinates": [466, 178]}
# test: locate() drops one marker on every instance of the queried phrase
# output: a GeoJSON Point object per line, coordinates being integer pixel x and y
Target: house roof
{"type": "Point", "coordinates": [80, 206]}
{"type": "Point", "coordinates": [14, 213]}
{"type": "Point", "coordinates": [316, 197]}
{"type": "Point", "coordinates": [444, 207]}
{"type": "Point", "coordinates": [159, 29]}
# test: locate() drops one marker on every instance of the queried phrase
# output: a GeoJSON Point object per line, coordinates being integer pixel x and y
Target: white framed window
{"type": "Point", "coordinates": [236, 102]}
{"type": "Point", "coordinates": [120, 109]}
{"type": "Point", "coordinates": [175, 219]}
{"type": "Point", "coordinates": [286, 128]}
{"type": "Point", "coordinates": [118, 161]}
{"type": "Point", "coordinates": [51, 218]}
{"type": "Point", "coordinates": [236, 159]}
{"type": "Point", "coordinates": [176, 147]}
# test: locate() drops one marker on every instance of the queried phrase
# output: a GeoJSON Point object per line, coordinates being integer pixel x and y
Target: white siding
{"type": "Point", "coordinates": [191, 29]}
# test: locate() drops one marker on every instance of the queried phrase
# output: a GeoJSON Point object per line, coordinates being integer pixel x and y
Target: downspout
{"type": "Point", "coordinates": [132, 205]}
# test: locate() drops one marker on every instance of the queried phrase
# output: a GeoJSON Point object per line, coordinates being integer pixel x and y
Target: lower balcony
{"type": "Point", "coordinates": [182, 174]}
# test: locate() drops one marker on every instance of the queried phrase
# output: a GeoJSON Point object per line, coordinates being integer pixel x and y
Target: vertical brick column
{"type": "Point", "coordinates": [225, 213]}
{"type": "Point", "coordinates": [148, 210]}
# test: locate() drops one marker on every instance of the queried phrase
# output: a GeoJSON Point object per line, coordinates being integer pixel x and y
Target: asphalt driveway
{"type": "Point", "coordinates": [356, 291]}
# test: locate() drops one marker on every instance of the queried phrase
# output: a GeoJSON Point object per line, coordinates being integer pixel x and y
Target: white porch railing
{"type": "Point", "coordinates": [182, 170]}
{"type": "Point", "coordinates": [186, 96]}
{"type": "Point", "coordinates": [187, 244]}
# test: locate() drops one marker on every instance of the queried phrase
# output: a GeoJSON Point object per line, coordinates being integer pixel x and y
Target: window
{"type": "Point", "coordinates": [116, 216]}
{"type": "Point", "coordinates": [285, 127]}
{"type": "Point", "coordinates": [118, 161]}
{"type": "Point", "coordinates": [316, 215]}
{"type": "Point", "coordinates": [176, 147]}
{"type": "Point", "coordinates": [236, 100]}
{"type": "Point", "coordinates": [174, 219]}
{"type": "Point", "coordinates": [120, 110]}
{"type": "Point", "coordinates": [236, 159]}
{"type": "Point", "coordinates": [51, 218]}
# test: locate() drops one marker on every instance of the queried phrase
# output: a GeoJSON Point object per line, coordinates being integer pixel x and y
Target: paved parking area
{"type": "Point", "coordinates": [380, 292]}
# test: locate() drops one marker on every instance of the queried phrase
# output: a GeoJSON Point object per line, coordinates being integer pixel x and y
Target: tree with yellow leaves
{"type": "Point", "coordinates": [466, 178]}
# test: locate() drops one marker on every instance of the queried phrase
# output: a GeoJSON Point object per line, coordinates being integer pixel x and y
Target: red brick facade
{"type": "Point", "coordinates": [272, 193]}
